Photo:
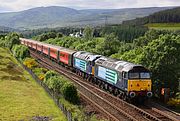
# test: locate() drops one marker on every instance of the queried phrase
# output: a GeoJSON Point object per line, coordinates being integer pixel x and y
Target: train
{"type": "Point", "coordinates": [121, 78]}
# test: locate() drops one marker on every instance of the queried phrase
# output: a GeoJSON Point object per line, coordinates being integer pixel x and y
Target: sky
{"type": "Point", "coordinates": [19, 5]}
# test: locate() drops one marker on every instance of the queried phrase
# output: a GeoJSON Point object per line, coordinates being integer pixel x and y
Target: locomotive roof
{"type": "Point", "coordinates": [86, 55]}
{"type": "Point", "coordinates": [116, 64]}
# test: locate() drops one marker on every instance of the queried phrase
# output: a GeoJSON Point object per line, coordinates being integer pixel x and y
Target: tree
{"type": "Point", "coordinates": [59, 35]}
{"type": "Point", "coordinates": [88, 33]}
{"type": "Point", "coordinates": [46, 36]}
{"type": "Point", "coordinates": [109, 46]}
{"type": "Point", "coordinates": [161, 56]}
{"type": "Point", "coordinates": [12, 39]}
{"type": "Point", "coordinates": [124, 33]}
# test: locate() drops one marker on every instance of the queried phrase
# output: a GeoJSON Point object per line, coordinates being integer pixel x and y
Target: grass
{"type": "Point", "coordinates": [78, 112]}
{"type": "Point", "coordinates": [21, 98]}
{"type": "Point", "coordinates": [164, 26]}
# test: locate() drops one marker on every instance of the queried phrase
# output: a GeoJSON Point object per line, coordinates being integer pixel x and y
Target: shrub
{"type": "Point", "coordinates": [41, 77]}
{"type": "Point", "coordinates": [48, 75]}
{"type": "Point", "coordinates": [174, 102]}
{"type": "Point", "coordinates": [20, 51]}
{"type": "Point", "coordinates": [70, 93]}
{"type": "Point", "coordinates": [55, 83]}
{"type": "Point", "coordinates": [39, 71]}
{"type": "Point", "coordinates": [30, 63]}
{"type": "Point", "coordinates": [60, 85]}
{"type": "Point", "coordinates": [12, 39]}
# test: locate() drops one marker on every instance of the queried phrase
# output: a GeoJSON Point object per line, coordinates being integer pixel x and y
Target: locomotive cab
{"type": "Point", "coordinates": [138, 82]}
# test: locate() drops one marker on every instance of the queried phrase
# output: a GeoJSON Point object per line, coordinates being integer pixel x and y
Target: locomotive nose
{"type": "Point", "coordinates": [149, 94]}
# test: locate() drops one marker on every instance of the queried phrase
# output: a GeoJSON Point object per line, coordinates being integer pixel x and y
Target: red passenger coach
{"type": "Point", "coordinates": [45, 49]}
{"type": "Point", "coordinates": [25, 43]}
{"type": "Point", "coordinates": [22, 42]}
{"type": "Point", "coordinates": [66, 56]}
{"type": "Point", "coordinates": [39, 47]}
{"type": "Point", "coordinates": [29, 44]}
{"type": "Point", "coordinates": [53, 52]}
{"type": "Point", "coordinates": [33, 45]}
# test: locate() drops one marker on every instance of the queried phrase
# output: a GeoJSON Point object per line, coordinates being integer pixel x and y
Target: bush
{"type": "Point", "coordinates": [30, 63]}
{"type": "Point", "coordinates": [70, 93]}
{"type": "Point", "coordinates": [48, 75]}
{"type": "Point", "coordinates": [174, 102]}
{"type": "Point", "coordinates": [2, 42]}
{"type": "Point", "coordinates": [55, 83]}
{"type": "Point", "coordinates": [41, 77]}
{"type": "Point", "coordinates": [60, 85]}
{"type": "Point", "coordinates": [20, 51]}
{"type": "Point", "coordinates": [11, 39]}
{"type": "Point", "coordinates": [40, 72]}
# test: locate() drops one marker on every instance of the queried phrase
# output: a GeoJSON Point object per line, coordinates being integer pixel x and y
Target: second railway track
{"type": "Point", "coordinates": [115, 108]}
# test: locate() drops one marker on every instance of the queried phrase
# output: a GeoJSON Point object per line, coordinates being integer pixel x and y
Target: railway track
{"type": "Point", "coordinates": [98, 102]}
{"type": "Point", "coordinates": [163, 111]}
{"type": "Point", "coordinates": [115, 108]}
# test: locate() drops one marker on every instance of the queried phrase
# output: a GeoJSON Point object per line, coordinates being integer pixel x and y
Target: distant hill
{"type": "Point", "coordinates": [56, 16]}
{"type": "Point", "coordinates": [4, 30]}
{"type": "Point", "coordinates": [165, 16]}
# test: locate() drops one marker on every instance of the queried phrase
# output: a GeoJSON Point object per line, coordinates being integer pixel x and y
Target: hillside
{"type": "Point", "coordinates": [56, 16]}
{"type": "Point", "coordinates": [165, 16]}
{"type": "Point", "coordinates": [164, 26]}
{"type": "Point", "coordinates": [21, 98]}
{"type": "Point", "coordinates": [4, 30]}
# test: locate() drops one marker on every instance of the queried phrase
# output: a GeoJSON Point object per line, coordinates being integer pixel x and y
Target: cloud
{"type": "Point", "coordinates": [18, 5]}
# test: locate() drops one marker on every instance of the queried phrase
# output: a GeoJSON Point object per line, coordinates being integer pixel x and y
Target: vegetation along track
{"type": "Point", "coordinates": [115, 108]}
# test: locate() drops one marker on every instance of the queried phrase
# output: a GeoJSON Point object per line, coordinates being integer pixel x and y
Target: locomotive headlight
{"type": "Point", "coordinates": [149, 94]}
{"type": "Point", "coordinates": [132, 94]}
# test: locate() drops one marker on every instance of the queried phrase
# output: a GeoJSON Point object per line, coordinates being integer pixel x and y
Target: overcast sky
{"type": "Point", "coordinates": [18, 5]}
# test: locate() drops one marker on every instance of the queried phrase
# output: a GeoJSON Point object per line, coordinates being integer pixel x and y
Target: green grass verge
{"type": "Point", "coordinates": [78, 111]}
{"type": "Point", "coordinates": [21, 98]}
{"type": "Point", "coordinates": [164, 26]}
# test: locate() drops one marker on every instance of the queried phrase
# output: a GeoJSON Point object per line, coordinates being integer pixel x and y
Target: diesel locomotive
{"type": "Point", "coordinates": [122, 78]}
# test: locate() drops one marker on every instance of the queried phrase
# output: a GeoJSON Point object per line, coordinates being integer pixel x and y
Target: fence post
{"type": "Point", "coordinates": [70, 116]}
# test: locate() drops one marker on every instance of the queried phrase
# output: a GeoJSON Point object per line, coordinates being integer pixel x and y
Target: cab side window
{"type": "Point", "coordinates": [125, 75]}
{"type": "Point", "coordinates": [120, 76]}
{"type": "Point", "coordinates": [92, 63]}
